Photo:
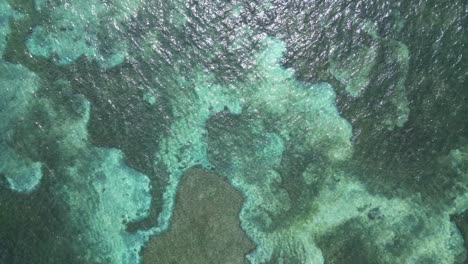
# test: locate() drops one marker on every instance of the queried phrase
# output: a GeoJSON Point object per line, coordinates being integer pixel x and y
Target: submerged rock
{"type": "Point", "coordinates": [205, 225]}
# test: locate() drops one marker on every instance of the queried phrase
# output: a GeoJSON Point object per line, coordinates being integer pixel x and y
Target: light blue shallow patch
{"type": "Point", "coordinates": [304, 111]}
{"type": "Point", "coordinates": [22, 175]}
{"type": "Point", "coordinates": [16, 94]}
{"type": "Point", "coordinates": [103, 195]}
{"type": "Point", "coordinates": [101, 192]}
{"type": "Point", "coordinates": [187, 146]}
{"type": "Point", "coordinates": [6, 15]}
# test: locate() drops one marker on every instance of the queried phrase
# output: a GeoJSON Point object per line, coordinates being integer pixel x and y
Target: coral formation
{"type": "Point", "coordinates": [19, 86]}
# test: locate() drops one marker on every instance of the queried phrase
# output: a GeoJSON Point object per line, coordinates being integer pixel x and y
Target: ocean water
{"type": "Point", "coordinates": [324, 132]}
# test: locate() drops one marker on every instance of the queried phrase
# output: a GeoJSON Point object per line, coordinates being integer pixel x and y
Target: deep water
{"type": "Point", "coordinates": [138, 131]}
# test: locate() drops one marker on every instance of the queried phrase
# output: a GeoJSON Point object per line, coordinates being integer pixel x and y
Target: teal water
{"type": "Point", "coordinates": [343, 125]}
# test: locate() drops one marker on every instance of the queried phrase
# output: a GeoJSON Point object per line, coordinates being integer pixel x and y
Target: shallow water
{"type": "Point", "coordinates": [323, 131]}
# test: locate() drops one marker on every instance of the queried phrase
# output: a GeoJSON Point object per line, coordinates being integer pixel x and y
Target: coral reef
{"type": "Point", "coordinates": [19, 85]}
{"type": "Point", "coordinates": [233, 131]}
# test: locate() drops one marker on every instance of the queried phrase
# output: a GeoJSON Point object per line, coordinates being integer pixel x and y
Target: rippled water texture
{"type": "Point", "coordinates": [199, 132]}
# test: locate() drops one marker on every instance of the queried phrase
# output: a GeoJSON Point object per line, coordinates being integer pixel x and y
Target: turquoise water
{"type": "Point", "coordinates": [343, 125]}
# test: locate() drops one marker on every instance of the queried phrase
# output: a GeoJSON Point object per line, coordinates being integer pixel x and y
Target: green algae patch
{"type": "Point", "coordinates": [204, 227]}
